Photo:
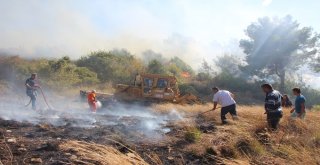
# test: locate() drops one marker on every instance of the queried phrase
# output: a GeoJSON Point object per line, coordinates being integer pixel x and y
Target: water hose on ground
{"type": "Point", "coordinates": [45, 98]}
{"type": "Point", "coordinates": [28, 103]}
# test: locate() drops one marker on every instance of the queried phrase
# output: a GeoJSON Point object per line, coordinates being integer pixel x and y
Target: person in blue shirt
{"type": "Point", "coordinates": [299, 110]}
{"type": "Point", "coordinates": [272, 105]}
{"type": "Point", "coordinates": [31, 89]}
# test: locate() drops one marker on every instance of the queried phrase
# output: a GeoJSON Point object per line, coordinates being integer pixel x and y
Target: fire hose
{"type": "Point", "coordinates": [44, 98]}
{"type": "Point", "coordinates": [28, 103]}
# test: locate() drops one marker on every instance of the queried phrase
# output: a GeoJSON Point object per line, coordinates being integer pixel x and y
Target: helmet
{"type": "Point", "coordinates": [93, 91]}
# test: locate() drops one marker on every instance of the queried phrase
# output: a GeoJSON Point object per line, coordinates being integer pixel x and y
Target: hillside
{"type": "Point", "coordinates": [161, 134]}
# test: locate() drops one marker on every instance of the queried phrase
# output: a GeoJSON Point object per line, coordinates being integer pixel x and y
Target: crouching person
{"type": "Point", "coordinates": [299, 110]}
{"type": "Point", "coordinates": [272, 105]}
{"type": "Point", "coordinates": [92, 101]}
{"type": "Point", "coordinates": [228, 104]}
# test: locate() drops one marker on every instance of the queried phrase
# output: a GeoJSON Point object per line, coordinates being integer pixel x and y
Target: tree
{"type": "Point", "coordinates": [118, 66]}
{"type": "Point", "coordinates": [275, 46]}
{"type": "Point", "coordinates": [316, 61]}
{"type": "Point", "coordinates": [229, 64]}
{"type": "Point", "coordinates": [156, 67]}
{"type": "Point", "coordinates": [182, 65]}
{"type": "Point", "coordinates": [206, 72]}
{"type": "Point", "coordinates": [150, 55]}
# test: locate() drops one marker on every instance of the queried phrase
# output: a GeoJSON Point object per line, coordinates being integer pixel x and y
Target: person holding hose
{"type": "Point", "coordinates": [92, 101]}
{"type": "Point", "coordinates": [31, 89]}
{"type": "Point", "coordinates": [228, 104]}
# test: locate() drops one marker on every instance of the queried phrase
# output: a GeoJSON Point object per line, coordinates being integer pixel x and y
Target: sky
{"type": "Point", "coordinates": [190, 29]}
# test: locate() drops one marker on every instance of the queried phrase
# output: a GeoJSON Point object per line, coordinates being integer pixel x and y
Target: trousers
{"type": "Point", "coordinates": [33, 96]}
{"type": "Point", "coordinates": [228, 109]}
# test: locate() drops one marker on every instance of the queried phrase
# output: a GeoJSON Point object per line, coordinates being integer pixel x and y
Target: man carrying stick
{"type": "Point", "coordinates": [228, 105]}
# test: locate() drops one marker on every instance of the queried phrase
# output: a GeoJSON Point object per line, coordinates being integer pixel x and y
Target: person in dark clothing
{"type": "Point", "coordinates": [31, 89]}
{"type": "Point", "coordinates": [272, 105]}
{"type": "Point", "coordinates": [286, 102]}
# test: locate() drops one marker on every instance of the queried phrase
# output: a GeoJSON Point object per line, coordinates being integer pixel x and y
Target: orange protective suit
{"type": "Point", "coordinates": [92, 101]}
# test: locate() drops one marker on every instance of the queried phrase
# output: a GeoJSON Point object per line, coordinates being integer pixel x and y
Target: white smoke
{"type": "Point", "coordinates": [71, 113]}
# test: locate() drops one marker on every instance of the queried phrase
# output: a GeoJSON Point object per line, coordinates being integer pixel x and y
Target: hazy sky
{"type": "Point", "coordinates": [190, 29]}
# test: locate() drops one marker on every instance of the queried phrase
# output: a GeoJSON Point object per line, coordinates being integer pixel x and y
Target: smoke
{"type": "Point", "coordinates": [73, 113]}
{"type": "Point", "coordinates": [59, 28]}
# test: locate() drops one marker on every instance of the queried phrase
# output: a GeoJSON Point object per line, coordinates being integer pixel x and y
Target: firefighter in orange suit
{"type": "Point", "coordinates": [92, 101]}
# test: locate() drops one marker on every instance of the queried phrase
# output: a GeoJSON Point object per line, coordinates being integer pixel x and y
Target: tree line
{"type": "Point", "coordinates": [275, 49]}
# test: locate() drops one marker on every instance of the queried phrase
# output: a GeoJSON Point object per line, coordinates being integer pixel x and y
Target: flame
{"type": "Point", "coordinates": [185, 74]}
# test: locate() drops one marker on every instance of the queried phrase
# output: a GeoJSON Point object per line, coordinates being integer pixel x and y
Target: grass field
{"type": "Point", "coordinates": [248, 140]}
{"type": "Point", "coordinates": [191, 139]}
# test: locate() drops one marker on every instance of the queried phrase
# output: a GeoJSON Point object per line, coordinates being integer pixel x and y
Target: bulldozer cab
{"type": "Point", "coordinates": [149, 86]}
{"type": "Point", "coordinates": [159, 87]}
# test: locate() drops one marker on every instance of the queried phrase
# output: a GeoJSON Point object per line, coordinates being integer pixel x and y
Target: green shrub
{"type": "Point", "coordinates": [192, 135]}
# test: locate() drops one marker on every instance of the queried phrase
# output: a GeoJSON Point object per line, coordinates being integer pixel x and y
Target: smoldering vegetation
{"type": "Point", "coordinates": [133, 118]}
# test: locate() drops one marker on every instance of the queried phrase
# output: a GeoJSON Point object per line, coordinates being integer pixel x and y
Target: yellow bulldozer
{"type": "Point", "coordinates": [148, 88]}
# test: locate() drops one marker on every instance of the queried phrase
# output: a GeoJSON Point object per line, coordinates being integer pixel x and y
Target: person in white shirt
{"type": "Point", "coordinates": [228, 104]}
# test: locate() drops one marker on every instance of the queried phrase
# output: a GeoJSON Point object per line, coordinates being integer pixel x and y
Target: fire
{"type": "Point", "coordinates": [185, 74]}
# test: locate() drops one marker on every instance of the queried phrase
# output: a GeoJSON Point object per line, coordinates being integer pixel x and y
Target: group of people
{"type": "Point", "coordinates": [272, 104]}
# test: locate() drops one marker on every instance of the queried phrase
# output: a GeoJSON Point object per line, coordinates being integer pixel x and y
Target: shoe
{"type": "Point", "coordinates": [224, 122]}
{"type": "Point", "coordinates": [235, 118]}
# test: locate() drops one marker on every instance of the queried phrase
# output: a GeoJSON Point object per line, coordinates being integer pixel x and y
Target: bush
{"type": "Point", "coordinates": [187, 88]}
{"type": "Point", "coordinates": [193, 135]}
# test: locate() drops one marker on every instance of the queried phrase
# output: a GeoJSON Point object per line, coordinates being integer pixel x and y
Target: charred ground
{"type": "Point", "coordinates": [199, 140]}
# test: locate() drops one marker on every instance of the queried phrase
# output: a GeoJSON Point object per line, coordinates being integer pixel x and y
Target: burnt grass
{"type": "Point", "coordinates": [25, 143]}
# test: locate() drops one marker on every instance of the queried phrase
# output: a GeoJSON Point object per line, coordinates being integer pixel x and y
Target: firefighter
{"type": "Point", "coordinates": [92, 101]}
{"type": "Point", "coordinates": [31, 89]}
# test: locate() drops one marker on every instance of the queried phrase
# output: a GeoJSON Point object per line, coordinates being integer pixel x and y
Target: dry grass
{"type": "Point", "coordinates": [249, 139]}
{"type": "Point", "coordinates": [90, 153]}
